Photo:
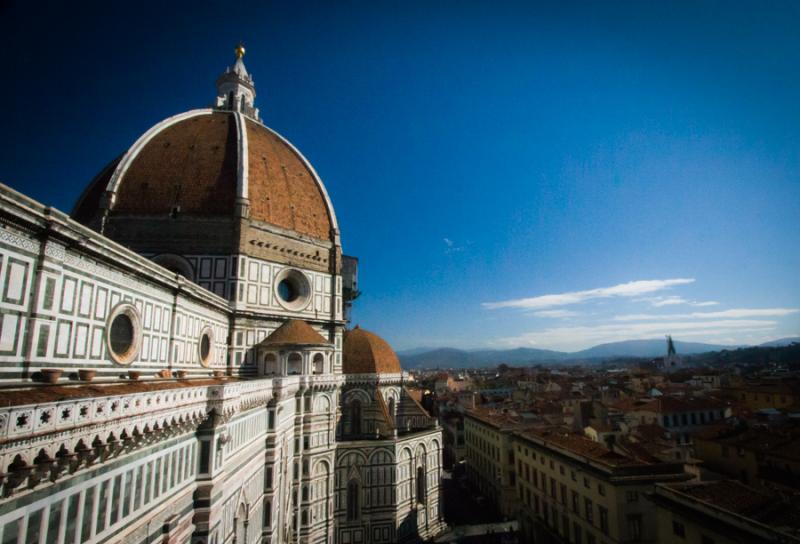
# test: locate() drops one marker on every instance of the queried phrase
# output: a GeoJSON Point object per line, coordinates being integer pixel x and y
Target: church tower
{"type": "Point", "coordinates": [672, 361]}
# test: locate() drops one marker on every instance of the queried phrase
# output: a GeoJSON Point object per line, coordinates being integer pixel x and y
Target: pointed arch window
{"type": "Point", "coordinates": [421, 485]}
{"type": "Point", "coordinates": [241, 525]}
{"type": "Point", "coordinates": [355, 417]}
{"type": "Point", "coordinates": [353, 500]}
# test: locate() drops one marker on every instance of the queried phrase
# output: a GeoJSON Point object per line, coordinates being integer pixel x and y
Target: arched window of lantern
{"type": "Point", "coordinates": [295, 364]}
{"type": "Point", "coordinates": [319, 363]}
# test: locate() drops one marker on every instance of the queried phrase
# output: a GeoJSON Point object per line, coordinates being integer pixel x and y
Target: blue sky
{"type": "Point", "coordinates": [549, 175]}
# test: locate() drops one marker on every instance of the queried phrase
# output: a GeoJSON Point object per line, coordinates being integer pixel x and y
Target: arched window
{"type": "Point", "coordinates": [268, 514]}
{"type": "Point", "coordinates": [295, 364]}
{"type": "Point", "coordinates": [352, 500]}
{"type": "Point", "coordinates": [241, 525]}
{"type": "Point", "coordinates": [391, 411]}
{"type": "Point", "coordinates": [319, 363]}
{"type": "Point", "coordinates": [175, 264]}
{"type": "Point", "coordinates": [270, 364]}
{"type": "Point", "coordinates": [355, 417]}
{"type": "Point", "coordinates": [421, 485]}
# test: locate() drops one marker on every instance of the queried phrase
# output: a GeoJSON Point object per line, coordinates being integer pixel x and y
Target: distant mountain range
{"type": "Point", "coordinates": [781, 342]}
{"type": "Point", "coordinates": [458, 358]}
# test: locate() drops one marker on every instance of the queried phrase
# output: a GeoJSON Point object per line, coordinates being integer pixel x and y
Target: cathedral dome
{"type": "Point", "coordinates": [216, 162]}
{"type": "Point", "coordinates": [294, 332]}
{"type": "Point", "coordinates": [367, 353]}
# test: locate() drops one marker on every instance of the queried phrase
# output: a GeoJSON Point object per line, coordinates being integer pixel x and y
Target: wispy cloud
{"type": "Point", "coordinates": [736, 313]}
{"type": "Point", "coordinates": [451, 246]}
{"type": "Point", "coordinates": [556, 313]}
{"type": "Point", "coordinates": [669, 301]}
{"type": "Point", "coordinates": [673, 300]}
{"type": "Point", "coordinates": [629, 289]}
{"type": "Point", "coordinates": [586, 336]}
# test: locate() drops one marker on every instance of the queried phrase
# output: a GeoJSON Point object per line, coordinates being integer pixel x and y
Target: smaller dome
{"type": "Point", "coordinates": [295, 332]}
{"type": "Point", "coordinates": [367, 353]}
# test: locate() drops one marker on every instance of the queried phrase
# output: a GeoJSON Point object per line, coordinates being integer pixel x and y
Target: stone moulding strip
{"type": "Point", "coordinates": [95, 430]}
{"type": "Point", "coordinates": [393, 379]}
{"type": "Point", "coordinates": [29, 215]}
{"type": "Point", "coordinates": [26, 422]}
{"type": "Point", "coordinates": [243, 160]}
{"type": "Point", "coordinates": [78, 478]}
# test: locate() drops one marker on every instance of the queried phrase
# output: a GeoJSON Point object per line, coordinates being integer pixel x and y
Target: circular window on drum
{"type": "Point", "coordinates": [292, 289]}
{"type": "Point", "coordinates": [205, 348]}
{"type": "Point", "coordinates": [123, 333]}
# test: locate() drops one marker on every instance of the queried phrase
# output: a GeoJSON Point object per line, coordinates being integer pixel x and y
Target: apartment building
{"type": "Point", "coordinates": [753, 454]}
{"type": "Point", "coordinates": [777, 394]}
{"type": "Point", "coordinates": [723, 512]}
{"type": "Point", "coordinates": [680, 416]}
{"type": "Point", "coordinates": [490, 457]}
{"type": "Point", "coordinates": [562, 486]}
{"type": "Point", "coordinates": [572, 489]}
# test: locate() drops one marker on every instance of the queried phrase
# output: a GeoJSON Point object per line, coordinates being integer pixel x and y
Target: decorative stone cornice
{"type": "Point", "coordinates": [397, 378]}
{"type": "Point", "coordinates": [41, 442]}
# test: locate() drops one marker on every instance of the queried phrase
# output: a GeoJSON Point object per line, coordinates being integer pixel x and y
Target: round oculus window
{"type": "Point", "coordinates": [123, 334]}
{"type": "Point", "coordinates": [205, 346]}
{"type": "Point", "coordinates": [292, 289]}
{"type": "Point", "coordinates": [287, 290]}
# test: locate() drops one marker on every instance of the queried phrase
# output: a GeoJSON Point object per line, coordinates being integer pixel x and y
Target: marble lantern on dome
{"type": "Point", "coordinates": [189, 318]}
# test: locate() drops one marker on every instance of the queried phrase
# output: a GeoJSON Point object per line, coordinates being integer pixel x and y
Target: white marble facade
{"type": "Point", "coordinates": [185, 434]}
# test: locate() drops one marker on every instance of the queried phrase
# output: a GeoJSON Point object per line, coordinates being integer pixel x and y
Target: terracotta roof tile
{"type": "Point", "coordinates": [367, 353]}
{"type": "Point", "coordinates": [191, 163]}
{"type": "Point", "coordinates": [294, 332]}
{"type": "Point", "coordinates": [283, 191]}
{"type": "Point", "coordinates": [583, 446]}
{"type": "Point", "coordinates": [56, 393]}
{"type": "Point", "coordinates": [778, 511]}
{"type": "Point", "coordinates": [729, 495]}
